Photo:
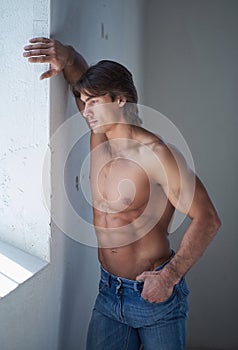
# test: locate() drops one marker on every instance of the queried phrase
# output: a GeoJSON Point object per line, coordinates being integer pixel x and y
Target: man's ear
{"type": "Point", "coordinates": [121, 100]}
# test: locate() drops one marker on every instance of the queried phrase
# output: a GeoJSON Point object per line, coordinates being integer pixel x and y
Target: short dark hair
{"type": "Point", "coordinates": [110, 77]}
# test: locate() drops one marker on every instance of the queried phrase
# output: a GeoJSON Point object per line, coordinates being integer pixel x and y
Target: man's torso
{"type": "Point", "coordinates": [131, 211]}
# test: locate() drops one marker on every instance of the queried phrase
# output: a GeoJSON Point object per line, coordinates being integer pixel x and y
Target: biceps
{"type": "Point", "coordinates": [180, 191]}
{"type": "Point", "coordinates": [201, 203]}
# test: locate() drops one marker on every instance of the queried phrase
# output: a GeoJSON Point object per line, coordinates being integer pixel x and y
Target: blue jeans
{"type": "Point", "coordinates": [123, 320]}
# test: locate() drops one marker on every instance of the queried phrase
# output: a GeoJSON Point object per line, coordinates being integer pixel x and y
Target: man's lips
{"type": "Point", "coordinates": [92, 122]}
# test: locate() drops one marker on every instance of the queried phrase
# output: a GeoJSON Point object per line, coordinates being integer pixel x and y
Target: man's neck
{"type": "Point", "coordinates": [119, 138]}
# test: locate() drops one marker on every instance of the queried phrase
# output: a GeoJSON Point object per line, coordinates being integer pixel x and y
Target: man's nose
{"type": "Point", "coordinates": [87, 113]}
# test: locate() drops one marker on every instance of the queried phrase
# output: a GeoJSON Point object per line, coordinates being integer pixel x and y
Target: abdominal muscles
{"type": "Point", "coordinates": [131, 242]}
{"type": "Point", "coordinates": [131, 218]}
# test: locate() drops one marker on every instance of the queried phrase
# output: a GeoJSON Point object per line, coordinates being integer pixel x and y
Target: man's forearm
{"type": "Point", "coordinates": [75, 67]}
{"type": "Point", "coordinates": [195, 241]}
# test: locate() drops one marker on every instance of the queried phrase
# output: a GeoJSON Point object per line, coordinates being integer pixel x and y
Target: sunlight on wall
{"type": "Point", "coordinates": [16, 267]}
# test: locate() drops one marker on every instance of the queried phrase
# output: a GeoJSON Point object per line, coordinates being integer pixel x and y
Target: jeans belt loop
{"type": "Point", "coordinates": [119, 284]}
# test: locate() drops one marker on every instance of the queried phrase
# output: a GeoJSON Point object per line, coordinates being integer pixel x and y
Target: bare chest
{"type": "Point", "coordinates": [119, 185]}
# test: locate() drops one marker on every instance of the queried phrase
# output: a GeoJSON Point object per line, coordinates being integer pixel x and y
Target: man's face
{"type": "Point", "coordinates": [100, 112]}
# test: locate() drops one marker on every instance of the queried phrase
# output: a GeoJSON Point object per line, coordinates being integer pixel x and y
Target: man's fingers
{"type": "Point", "coordinates": [44, 50]}
{"type": "Point", "coordinates": [145, 274]}
{"type": "Point", "coordinates": [40, 40]}
{"type": "Point", "coordinates": [38, 46]}
{"type": "Point", "coordinates": [140, 277]}
{"type": "Point", "coordinates": [41, 59]}
{"type": "Point", "coordinates": [50, 73]}
{"type": "Point", "coordinates": [40, 52]}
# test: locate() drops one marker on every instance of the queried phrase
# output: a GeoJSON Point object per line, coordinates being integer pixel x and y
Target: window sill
{"type": "Point", "coordinates": [16, 266]}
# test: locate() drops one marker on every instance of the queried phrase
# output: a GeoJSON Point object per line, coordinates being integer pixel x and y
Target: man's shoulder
{"type": "Point", "coordinates": [154, 147]}
{"type": "Point", "coordinates": [149, 139]}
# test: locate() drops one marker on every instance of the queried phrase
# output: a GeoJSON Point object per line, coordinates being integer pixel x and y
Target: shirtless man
{"type": "Point", "coordinates": [137, 181]}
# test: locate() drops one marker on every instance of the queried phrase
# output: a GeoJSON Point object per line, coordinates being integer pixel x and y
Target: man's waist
{"type": "Point", "coordinates": [110, 278]}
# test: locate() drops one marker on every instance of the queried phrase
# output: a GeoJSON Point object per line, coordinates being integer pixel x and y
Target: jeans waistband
{"type": "Point", "coordinates": [111, 279]}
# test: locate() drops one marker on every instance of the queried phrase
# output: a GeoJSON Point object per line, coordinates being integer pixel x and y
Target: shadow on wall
{"type": "Point", "coordinates": [78, 295]}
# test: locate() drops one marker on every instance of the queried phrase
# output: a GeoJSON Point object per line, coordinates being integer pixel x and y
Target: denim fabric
{"type": "Point", "coordinates": [123, 320]}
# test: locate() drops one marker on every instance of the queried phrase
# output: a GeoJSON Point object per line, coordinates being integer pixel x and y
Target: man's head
{"type": "Point", "coordinates": [112, 79]}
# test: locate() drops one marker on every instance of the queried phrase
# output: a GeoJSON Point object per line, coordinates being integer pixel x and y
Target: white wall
{"type": "Point", "coordinates": [24, 130]}
{"type": "Point", "coordinates": [29, 316]}
{"type": "Point", "coordinates": [191, 77]}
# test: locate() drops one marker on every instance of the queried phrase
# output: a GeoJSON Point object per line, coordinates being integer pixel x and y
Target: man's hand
{"type": "Point", "coordinates": [44, 50]}
{"type": "Point", "coordinates": [156, 288]}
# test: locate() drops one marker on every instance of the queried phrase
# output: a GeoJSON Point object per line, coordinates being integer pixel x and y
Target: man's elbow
{"type": "Point", "coordinates": [209, 220]}
{"type": "Point", "coordinates": [218, 222]}
{"type": "Point", "coordinates": [214, 222]}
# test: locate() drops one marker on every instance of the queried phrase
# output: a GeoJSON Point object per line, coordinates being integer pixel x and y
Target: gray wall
{"type": "Point", "coordinates": [191, 77]}
{"type": "Point", "coordinates": [79, 23]}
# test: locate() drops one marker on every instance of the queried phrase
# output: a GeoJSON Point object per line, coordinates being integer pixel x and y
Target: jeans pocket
{"type": "Point", "coordinates": [183, 287]}
{"type": "Point", "coordinates": [161, 302]}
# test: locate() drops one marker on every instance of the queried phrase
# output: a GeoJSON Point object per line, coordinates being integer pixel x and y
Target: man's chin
{"type": "Point", "coordinates": [97, 130]}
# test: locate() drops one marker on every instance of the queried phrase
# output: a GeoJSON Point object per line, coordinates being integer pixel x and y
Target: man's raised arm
{"type": "Point", "coordinates": [60, 57]}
